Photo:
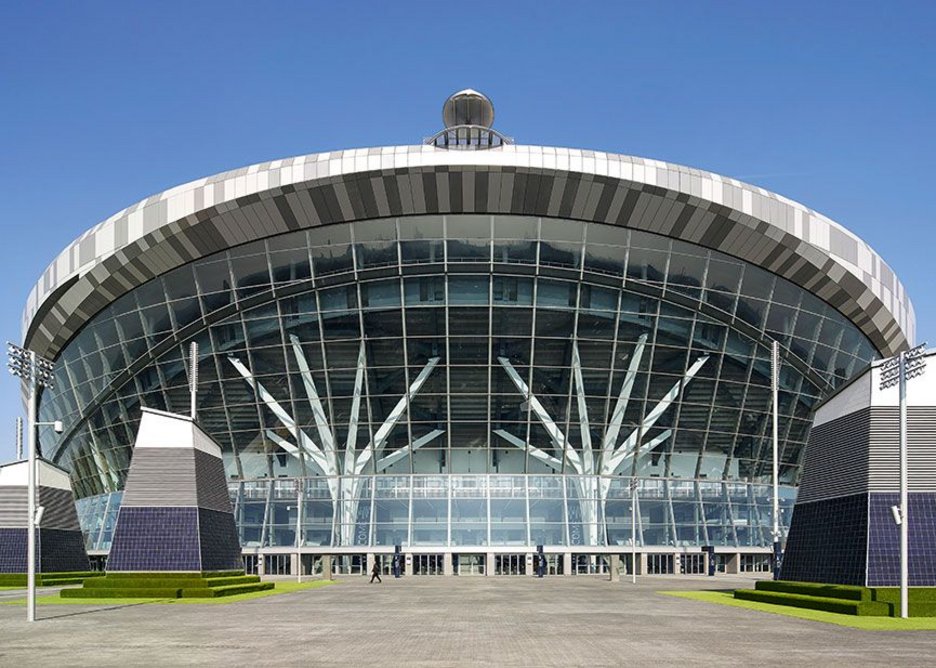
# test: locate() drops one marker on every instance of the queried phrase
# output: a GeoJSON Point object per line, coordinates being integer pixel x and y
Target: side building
{"type": "Point", "coordinates": [843, 529]}
{"type": "Point", "coordinates": [466, 348]}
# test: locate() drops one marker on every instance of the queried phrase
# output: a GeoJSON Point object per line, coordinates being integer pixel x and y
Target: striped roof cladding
{"type": "Point", "coordinates": [202, 217]}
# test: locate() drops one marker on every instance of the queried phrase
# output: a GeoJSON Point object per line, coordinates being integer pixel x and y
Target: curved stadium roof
{"type": "Point", "coordinates": [210, 214]}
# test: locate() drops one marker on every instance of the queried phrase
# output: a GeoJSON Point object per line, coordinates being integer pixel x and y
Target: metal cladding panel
{"type": "Point", "coordinates": [220, 546]}
{"type": "Point", "coordinates": [155, 539]}
{"type": "Point", "coordinates": [161, 477]}
{"type": "Point", "coordinates": [57, 551]}
{"type": "Point", "coordinates": [835, 463]}
{"type": "Point", "coordinates": [62, 551]}
{"type": "Point", "coordinates": [884, 449]}
{"type": "Point", "coordinates": [13, 507]}
{"type": "Point", "coordinates": [850, 398]}
{"type": "Point", "coordinates": [415, 180]}
{"type": "Point", "coordinates": [827, 542]}
{"type": "Point", "coordinates": [12, 550]}
{"type": "Point", "coordinates": [211, 490]}
{"type": "Point", "coordinates": [59, 507]}
{"type": "Point", "coordinates": [884, 540]}
{"type": "Point", "coordinates": [59, 513]}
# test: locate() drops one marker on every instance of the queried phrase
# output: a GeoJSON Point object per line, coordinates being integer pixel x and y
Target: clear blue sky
{"type": "Point", "coordinates": [104, 103]}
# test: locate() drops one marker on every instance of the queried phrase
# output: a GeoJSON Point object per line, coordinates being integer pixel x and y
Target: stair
{"type": "Point", "coordinates": [841, 599]}
{"type": "Point", "coordinates": [169, 585]}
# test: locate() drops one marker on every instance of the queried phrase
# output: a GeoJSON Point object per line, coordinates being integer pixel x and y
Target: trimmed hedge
{"type": "Point", "coordinates": [235, 580]}
{"type": "Point", "coordinates": [921, 595]}
{"type": "Point", "coordinates": [48, 579]}
{"type": "Point", "coordinates": [827, 604]}
{"type": "Point", "coordinates": [847, 592]}
{"type": "Point", "coordinates": [130, 575]}
{"type": "Point", "coordinates": [114, 592]}
{"type": "Point", "coordinates": [171, 585]}
{"type": "Point", "coordinates": [229, 590]}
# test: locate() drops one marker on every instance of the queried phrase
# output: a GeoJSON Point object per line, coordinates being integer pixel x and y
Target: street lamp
{"type": "Point", "coordinates": [35, 372]}
{"type": "Point", "coordinates": [896, 371]}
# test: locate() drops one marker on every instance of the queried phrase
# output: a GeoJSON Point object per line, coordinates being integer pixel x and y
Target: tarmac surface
{"type": "Point", "coordinates": [452, 621]}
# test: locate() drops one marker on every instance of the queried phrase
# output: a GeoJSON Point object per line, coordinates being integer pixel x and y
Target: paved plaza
{"type": "Point", "coordinates": [451, 621]}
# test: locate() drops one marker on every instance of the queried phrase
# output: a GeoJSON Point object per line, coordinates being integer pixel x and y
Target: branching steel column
{"type": "Point", "coordinates": [555, 434]}
{"type": "Point", "coordinates": [321, 422]}
{"type": "Point", "coordinates": [617, 417]}
{"type": "Point", "coordinates": [588, 460]}
{"type": "Point", "coordinates": [384, 431]}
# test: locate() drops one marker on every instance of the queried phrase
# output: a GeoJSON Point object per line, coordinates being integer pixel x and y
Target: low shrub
{"type": "Point", "coordinates": [47, 579]}
{"type": "Point", "coordinates": [229, 590]}
{"type": "Point", "coordinates": [847, 592]}
{"type": "Point", "coordinates": [115, 592]}
{"type": "Point", "coordinates": [826, 604]}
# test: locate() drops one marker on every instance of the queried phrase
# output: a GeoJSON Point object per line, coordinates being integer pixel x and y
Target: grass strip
{"type": "Point", "coordinates": [863, 623]}
{"type": "Point", "coordinates": [282, 587]}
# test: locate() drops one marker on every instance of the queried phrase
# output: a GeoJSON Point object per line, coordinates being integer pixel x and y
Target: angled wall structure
{"type": "Point", "coordinates": [843, 530]}
{"type": "Point", "coordinates": [176, 514]}
{"type": "Point", "coordinates": [60, 546]}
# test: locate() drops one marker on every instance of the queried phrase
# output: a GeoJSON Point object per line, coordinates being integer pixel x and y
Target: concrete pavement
{"type": "Point", "coordinates": [452, 621]}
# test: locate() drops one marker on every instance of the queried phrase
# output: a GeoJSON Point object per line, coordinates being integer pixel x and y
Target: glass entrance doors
{"type": "Point", "coordinates": [468, 564]}
{"type": "Point", "coordinates": [589, 564]}
{"type": "Point", "coordinates": [428, 564]}
{"type": "Point", "coordinates": [510, 564]}
{"type": "Point", "coordinates": [692, 564]}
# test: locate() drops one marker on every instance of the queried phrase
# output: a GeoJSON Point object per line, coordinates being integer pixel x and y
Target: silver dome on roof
{"type": "Point", "coordinates": [468, 116]}
{"type": "Point", "coordinates": [468, 107]}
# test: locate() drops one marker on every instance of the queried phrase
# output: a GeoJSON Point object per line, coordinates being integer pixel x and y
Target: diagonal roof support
{"type": "Point", "coordinates": [617, 417]}
{"type": "Point", "coordinates": [535, 452]}
{"type": "Point", "coordinates": [555, 434]}
{"type": "Point", "coordinates": [326, 436]}
{"type": "Point", "coordinates": [384, 430]}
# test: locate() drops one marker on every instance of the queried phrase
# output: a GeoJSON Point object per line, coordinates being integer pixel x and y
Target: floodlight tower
{"type": "Point", "coordinates": [896, 371]}
{"type": "Point", "coordinates": [35, 372]}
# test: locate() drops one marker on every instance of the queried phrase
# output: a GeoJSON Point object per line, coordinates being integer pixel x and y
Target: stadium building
{"type": "Point", "coordinates": [467, 348]}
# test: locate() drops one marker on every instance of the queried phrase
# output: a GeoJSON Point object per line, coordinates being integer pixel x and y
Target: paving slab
{"type": "Point", "coordinates": [453, 621]}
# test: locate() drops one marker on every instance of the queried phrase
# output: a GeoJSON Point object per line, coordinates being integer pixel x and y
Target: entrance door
{"type": "Point", "coordinates": [554, 564]}
{"type": "Point", "coordinates": [509, 564]}
{"type": "Point", "coordinates": [692, 564]}
{"type": "Point", "coordinates": [428, 564]}
{"type": "Point", "coordinates": [659, 564]}
{"type": "Point", "coordinates": [469, 564]}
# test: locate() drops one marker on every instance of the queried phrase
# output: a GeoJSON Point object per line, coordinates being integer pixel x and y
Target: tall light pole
{"type": "Point", "coordinates": [19, 439]}
{"type": "Point", "coordinates": [36, 372]}
{"type": "Point", "coordinates": [300, 500]}
{"type": "Point", "coordinates": [897, 370]}
{"type": "Point", "coordinates": [775, 402]}
{"type": "Point", "coordinates": [633, 486]}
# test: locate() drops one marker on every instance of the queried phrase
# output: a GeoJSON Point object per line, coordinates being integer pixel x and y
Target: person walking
{"type": "Point", "coordinates": [375, 572]}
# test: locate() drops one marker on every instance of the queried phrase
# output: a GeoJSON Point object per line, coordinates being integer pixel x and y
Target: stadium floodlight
{"type": "Point", "coordinates": [895, 371]}
{"type": "Point", "coordinates": [35, 372]}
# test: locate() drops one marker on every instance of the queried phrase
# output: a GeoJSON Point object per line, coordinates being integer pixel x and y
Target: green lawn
{"type": "Point", "coordinates": [282, 587]}
{"type": "Point", "coordinates": [863, 623]}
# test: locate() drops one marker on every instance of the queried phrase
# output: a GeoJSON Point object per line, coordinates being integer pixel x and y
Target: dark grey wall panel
{"type": "Point", "coordinates": [161, 477]}
{"type": "Point", "coordinates": [212, 486]}
{"type": "Point", "coordinates": [836, 460]}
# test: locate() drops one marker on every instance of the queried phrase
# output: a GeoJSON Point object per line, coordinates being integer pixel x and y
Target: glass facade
{"type": "Point", "coordinates": [463, 380]}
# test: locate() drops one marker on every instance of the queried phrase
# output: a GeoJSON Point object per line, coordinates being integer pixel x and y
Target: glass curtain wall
{"type": "Point", "coordinates": [464, 380]}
